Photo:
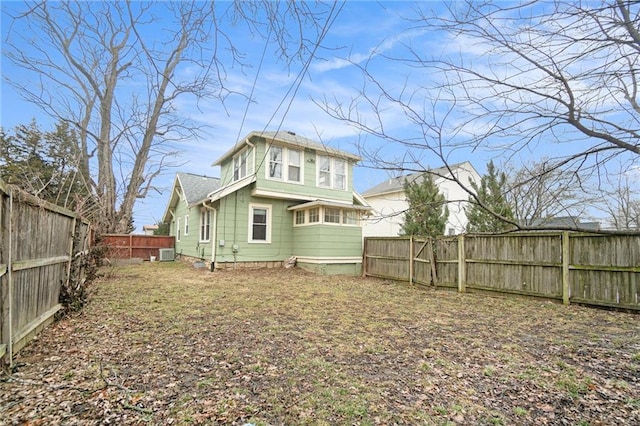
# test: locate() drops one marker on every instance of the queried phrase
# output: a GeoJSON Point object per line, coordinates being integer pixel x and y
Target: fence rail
{"type": "Point", "coordinates": [592, 269]}
{"type": "Point", "coordinates": [40, 245]}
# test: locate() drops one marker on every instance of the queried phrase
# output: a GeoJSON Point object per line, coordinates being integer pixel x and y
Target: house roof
{"type": "Point", "coordinates": [290, 139]}
{"type": "Point", "coordinates": [563, 222]}
{"type": "Point", "coordinates": [194, 189]}
{"type": "Point", "coordinates": [397, 184]}
{"type": "Point", "coordinates": [328, 203]}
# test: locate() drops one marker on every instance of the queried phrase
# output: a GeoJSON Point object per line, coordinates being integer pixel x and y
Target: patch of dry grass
{"type": "Point", "coordinates": [163, 343]}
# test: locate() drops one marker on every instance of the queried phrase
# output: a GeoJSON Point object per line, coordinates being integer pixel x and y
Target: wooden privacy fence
{"type": "Point", "coordinates": [592, 269]}
{"type": "Point", "coordinates": [129, 246]}
{"type": "Point", "coordinates": [41, 247]}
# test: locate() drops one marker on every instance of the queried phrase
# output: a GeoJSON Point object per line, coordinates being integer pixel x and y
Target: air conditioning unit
{"type": "Point", "coordinates": [167, 255]}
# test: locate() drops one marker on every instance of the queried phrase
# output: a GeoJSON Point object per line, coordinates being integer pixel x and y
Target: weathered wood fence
{"type": "Point", "coordinates": [592, 269]}
{"type": "Point", "coordinates": [130, 246]}
{"type": "Point", "coordinates": [40, 245]}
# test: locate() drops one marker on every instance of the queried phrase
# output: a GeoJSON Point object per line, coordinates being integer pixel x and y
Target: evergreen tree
{"type": "Point", "coordinates": [490, 211]}
{"type": "Point", "coordinates": [44, 164]}
{"type": "Point", "coordinates": [428, 213]}
{"type": "Point", "coordinates": [163, 228]}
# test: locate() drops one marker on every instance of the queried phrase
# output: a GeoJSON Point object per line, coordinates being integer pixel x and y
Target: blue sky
{"type": "Point", "coordinates": [361, 28]}
{"type": "Point", "coordinates": [365, 32]}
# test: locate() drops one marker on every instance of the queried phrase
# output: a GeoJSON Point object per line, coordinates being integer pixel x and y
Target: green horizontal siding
{"type": "Point", "coordinates": [327, 240]}
{"type": "Point", "coordinates": [190, 244]}
{"type": "Point", "coordinates": [233, 228]}
{"type": "Point", "coordinates": [308, 188]}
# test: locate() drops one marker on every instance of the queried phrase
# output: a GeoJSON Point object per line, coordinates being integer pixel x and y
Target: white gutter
{"type": "Point", "coordinates": [213, 235]}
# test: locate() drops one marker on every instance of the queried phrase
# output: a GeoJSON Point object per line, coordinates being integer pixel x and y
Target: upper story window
{"type": "Point", "coordinates": [284, 164]}
{"type": "Point", "coordinates": [241, 165]}
{"type": "Point", "coordinates": [332, 173]}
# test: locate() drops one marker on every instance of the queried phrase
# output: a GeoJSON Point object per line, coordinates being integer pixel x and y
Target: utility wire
{"type": "Point", "coordinates": [295, 86]}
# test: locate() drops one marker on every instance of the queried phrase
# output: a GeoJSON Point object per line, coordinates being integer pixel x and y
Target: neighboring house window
{"type": "Point", "coordinates": [332, 173]}
{"type": "Point", "coordinates": [278, 158]}
{"type": "Point", "coordinates": [186, 224]}
{"type": "Point", "coordinates": [259, 223]}
{"type": "Point", "coordinates": [451, 231]}
{"type": "Point", "coordinates": [205, 225]}
{"type": "Point", "coordinates": [300, 217]}
{"type": "Point", "coordinates": [240, 167]}
{"type": "Point", "coordinates": [314, 215]}
{"type": "Point", "coordinates": [178, 229]}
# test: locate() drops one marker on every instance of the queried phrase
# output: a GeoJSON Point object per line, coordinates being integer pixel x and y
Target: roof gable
{"type": "Point", "coordinates": [194, 188]}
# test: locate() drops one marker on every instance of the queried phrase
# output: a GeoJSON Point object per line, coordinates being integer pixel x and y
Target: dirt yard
{"type": "Point", "coordinates": [163, 343]}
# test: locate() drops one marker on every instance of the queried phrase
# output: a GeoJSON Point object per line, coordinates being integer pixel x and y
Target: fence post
{"type": "Point", "coordinates": [411, 254]}
{"type": "Point", "coordinates": [462, 267]}
{"type": "Point", "coordinates": [364, 256]}
{"type": "Point", "coordinates": [566, 289]}
{"type": "Point", "coordinates": [9, 317]}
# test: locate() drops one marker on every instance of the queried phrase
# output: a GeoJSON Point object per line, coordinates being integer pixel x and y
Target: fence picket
{"type": "Point", "coordinates": [597, 269]}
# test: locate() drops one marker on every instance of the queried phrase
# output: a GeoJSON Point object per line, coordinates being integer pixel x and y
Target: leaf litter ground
{"type": "Point", "coordinates": [163, 343]}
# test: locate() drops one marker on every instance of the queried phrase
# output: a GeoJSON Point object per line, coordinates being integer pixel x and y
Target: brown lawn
{"type": "Point", "coordinates": [163, 343]}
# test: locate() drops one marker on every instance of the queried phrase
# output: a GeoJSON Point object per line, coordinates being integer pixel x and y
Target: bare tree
{"type": "Point", "coordinates": [116, 70]}
{"type": "Point", "coordinates": [538, 192]}
{"type": "Point", "coordinates": [621, 201]}
{"type": "Point", "coordinates": [557, 78]}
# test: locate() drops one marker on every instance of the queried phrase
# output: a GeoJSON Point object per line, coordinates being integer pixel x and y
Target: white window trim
{"type": "Point", "coordinates": [250, 161]}
{"type": "Point", "coordinates": [204, 213]}
{"type": "Point", "coordinates": [186, 225]}
{"type": "Point", "coordinates": [306, 218]}
{"type": "Point", "coordinates": [321, 220]}
{"type": "Point", "coordinates": [178, 229]}
{"type": "Point", "coordinates": [285, 165]}
{"type": "Point", "coordinates": [269, 210]}
{"type": "Point", "coordinates": [332, 173]}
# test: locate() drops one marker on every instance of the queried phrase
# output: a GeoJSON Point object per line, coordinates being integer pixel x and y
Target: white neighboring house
{"type": "Point", "coordinates": [389, 201]}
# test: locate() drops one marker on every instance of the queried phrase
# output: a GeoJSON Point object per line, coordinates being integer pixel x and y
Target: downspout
{"type": "Point", "coordinates": [214, 234]}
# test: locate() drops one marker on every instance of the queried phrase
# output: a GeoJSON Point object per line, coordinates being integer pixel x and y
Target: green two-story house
{"type": "Point", "coordinates": [282, 196]}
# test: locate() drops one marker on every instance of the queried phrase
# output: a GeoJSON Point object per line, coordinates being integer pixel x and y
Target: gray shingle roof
{"type": "Point", "coordinates": [289, 138]}
{"type": "Point", "coordinates": [197, 187]}
{"type": "Point", "coordinates": [397, 184]}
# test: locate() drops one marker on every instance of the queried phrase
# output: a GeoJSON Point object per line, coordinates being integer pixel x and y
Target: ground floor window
{"type": "Point", "coordinates": [205, 225]}
{"type": "Point", "coordinates": [326, 214]}
{"type": "Point", "coordinates": [259, 223]}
